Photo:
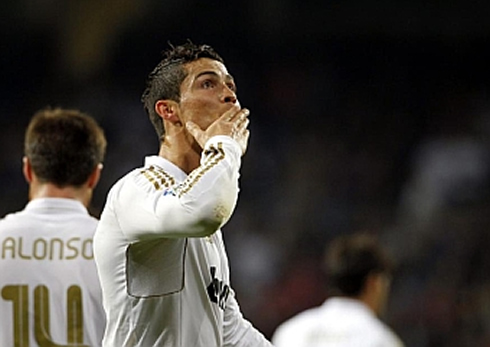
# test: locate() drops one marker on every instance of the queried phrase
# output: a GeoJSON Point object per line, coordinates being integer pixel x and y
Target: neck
{"type": "Point", "coordinates": [184, 153]}
{"type": "Point", "coordinates": [370, 301]}
{"type": "Point", "coordinates": [49, 190]}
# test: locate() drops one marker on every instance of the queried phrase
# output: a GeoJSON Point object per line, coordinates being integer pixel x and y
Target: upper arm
{"type": "Point", "coordinates": [150, 204]}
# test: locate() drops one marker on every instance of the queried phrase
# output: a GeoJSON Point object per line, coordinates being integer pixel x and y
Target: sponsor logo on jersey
{"type": "Point", "coordinates": [218, 291]}
{"type": "Point", "coordinates": [168, 191]}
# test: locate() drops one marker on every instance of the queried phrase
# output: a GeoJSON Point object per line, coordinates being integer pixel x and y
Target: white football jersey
{"type": "Point", "coordinates": [161, 258]}
{"type": "Point", "coordinates": [339, 322]}
{"type": "Point", "coordinates": [49, 289]}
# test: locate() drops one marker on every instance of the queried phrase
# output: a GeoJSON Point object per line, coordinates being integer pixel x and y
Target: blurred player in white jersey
{"type": "Point", "coordinates": [158, 247]}
{"type": "Point", "coordinates": [359, 272]}
{"type": "Point", "coordinates": [49, 289]}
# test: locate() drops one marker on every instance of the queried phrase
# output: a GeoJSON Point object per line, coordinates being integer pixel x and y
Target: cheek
{"type": "Point", "coordinates": [200, 111]}
{"type": "Point", "coordinates": [196, 104]}
{"type": "Point", "coordinates": [206, 120]}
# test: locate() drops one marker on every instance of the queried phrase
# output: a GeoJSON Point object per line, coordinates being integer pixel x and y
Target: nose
{"type": "Point", "coordinates": [228, 96]}
{"type": "Point", "coordinates": [230, 99]}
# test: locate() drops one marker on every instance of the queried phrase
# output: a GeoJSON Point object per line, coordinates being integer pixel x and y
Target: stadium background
{"type": "Point", "coordinates": [366, 116]}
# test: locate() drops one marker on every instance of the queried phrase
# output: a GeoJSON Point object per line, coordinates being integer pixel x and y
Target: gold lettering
{"type": "Point", "coordinates": [19, 296]}
{"type": "Point", "coordinates": [72, 247]}
{"type": "Point", "coordinates": [74, 316]}
{"type": "Point", "coordinates": [47, 249]}
{"type": "Point", "coordinates": [87, 249]}
{"type": "Point", "coordinates": [8, 245]}
{"type": "Point", "coordinates": [42, 328]}
{"type": "Point", "coordinates": [20, 250]}
{"type": "Point", "coordinates": [35, 249]}
{"type": "Point", "coordinates": [52, 247]}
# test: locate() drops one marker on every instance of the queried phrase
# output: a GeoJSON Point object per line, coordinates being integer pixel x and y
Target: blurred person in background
{"type": "Point", "coordinates": [359, 273]}
{"type": "Point", "coordinates": [50, 292]}
{"type": "Point", "coordinates": [159, 247]}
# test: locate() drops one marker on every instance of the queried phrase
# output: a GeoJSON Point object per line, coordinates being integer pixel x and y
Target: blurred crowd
{"type": "Point", "coordinates": [378, 130]}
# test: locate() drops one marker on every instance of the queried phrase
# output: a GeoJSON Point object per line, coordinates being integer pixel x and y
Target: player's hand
{"type": "Point", "coordinates": [232, 123]}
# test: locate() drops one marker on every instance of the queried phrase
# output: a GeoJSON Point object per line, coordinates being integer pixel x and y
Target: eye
{"type": "Point", "coordinates": [206, 84]}
{"type": "Point", "coordinates": [231, 86]}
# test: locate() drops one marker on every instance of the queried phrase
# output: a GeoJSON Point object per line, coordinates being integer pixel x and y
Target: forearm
{"type": "Point", "coordinates": [197, 207]}
{"type": "Point", "coordinates": [238, 332]}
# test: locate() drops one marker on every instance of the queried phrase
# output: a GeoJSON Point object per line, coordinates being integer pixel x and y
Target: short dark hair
{"type": "Point", "coordinates": [350, 259]}
{"type": "Point", "coordinates": [163, 83]}
{"type": "Point", "coordinates": [64, 146]}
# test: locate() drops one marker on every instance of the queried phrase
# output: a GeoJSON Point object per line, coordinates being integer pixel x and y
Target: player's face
{"type": "Point", "coordinates": [206, 93]}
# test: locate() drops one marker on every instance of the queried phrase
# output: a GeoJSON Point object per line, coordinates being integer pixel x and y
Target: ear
{"type": "Point", "coordinates": [27, 169]}
{"type": "Point", "coordinates": [95, 176]}
{"type": "Point", "coordinates": [372, 283]}
{"type": "Point", "coordinates": [376, 291]}
{"type": "Point", "coordinates": [168, 110]}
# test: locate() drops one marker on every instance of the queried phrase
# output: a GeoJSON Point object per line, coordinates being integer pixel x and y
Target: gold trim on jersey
{"type": "Point", "coordinates": [158, 177]}
{"type": "Point", "coordinates": [217, 155]}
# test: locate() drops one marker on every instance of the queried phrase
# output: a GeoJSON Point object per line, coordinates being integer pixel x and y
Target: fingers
{"type": "Point", "coordinates": [242, 124]}
{"type": "Point", "coordinates": [196, 132]}
{"type": "Point", "coordinates": [193, 128]}
{"type": "Point", "coordinates": [233, 123]}
{"type": "Point", "coordinates": [230, 114]}
{"type": "Point", "coordinates": [235, 112]}
{"type": "Point", "coordinates": [240, 129]}
{"type": "Point", "coordinates": [240, 116]}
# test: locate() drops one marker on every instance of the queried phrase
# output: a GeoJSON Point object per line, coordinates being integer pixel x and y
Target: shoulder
{"type": "Point", "coordinates": [154, 178]}
{"type": "Point", "coordinates": [147, 179]}
{"type": "Point", "coordinates": [387, 336]}
{"type": "Point", "coordinates": [290, 329]}
{"type": "Point", "coordinates": [381, 333]}
{"type": "Point", "coordinates": [12, 220]}
{"type": "Point", "coordinates": [144, 185]}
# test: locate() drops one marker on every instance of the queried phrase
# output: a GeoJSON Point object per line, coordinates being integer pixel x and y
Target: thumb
{"type": "Point", "coordinates": [193, 128]}
{"type": "Point", "coordinates": [196, 132]}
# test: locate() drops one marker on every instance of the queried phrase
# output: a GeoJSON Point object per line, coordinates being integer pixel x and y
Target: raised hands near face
{"type": "Point", "coordinates": [233, 123]}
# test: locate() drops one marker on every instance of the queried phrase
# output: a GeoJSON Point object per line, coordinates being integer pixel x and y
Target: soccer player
{"type": "Point", "coordinates": [359, 272]}
{"type": "Point", "coordinates": [159, 247]}
{"type": "Point", "coordinates": [49, 289]}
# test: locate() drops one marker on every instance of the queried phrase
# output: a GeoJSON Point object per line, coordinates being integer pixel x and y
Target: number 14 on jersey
{"type": "Point", "coordinates": [19, 296]}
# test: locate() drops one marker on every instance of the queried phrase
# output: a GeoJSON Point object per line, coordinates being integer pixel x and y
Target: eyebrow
{"type": "Point", "coordinates": [210, 72]}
